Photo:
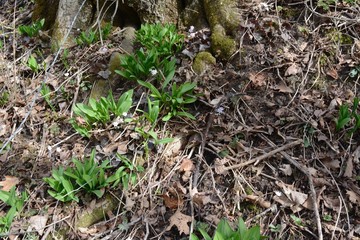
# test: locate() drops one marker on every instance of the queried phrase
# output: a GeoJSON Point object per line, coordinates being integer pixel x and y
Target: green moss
{"type": "Point", "coordinates": [202, 62]}
{"type": "Point", "coordinates": [223, 46]}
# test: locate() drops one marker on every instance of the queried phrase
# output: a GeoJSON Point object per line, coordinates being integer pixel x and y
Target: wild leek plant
{"type": "Point", "coordinates": [100, 112]}
{"type": "Point", "coordinates": [33, 29]}
{"type": "Point", "coordinates": [224, 231]}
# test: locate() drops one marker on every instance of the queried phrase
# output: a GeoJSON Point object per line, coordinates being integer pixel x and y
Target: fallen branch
{"type": "Point", "coordinates": [264, 156]}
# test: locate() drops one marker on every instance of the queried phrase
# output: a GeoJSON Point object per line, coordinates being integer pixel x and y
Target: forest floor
{"type": "Point", "coordinates": [266, 138]}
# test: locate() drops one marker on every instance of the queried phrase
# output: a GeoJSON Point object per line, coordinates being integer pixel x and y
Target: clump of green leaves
{"type": "Point", "coordinates": [175, 100]}
{"type": "Point", "coordinates": [89, 176]}
{"type": "Point", "coordinates": [33, 29]}
{"type": "Point", "coordinates": [126, 174]}
{"type": "Point", "coordinates": [345, 116]}
{"type": "Point", "coordinates": [100, 112]}
{"type": "Point", "coordinates": [33, 64]}
{"type": "Point", "coordinates": [162, 37]}
{"type": "Point", "coordinates": [16, 204]}
{"type": "Point", "coordinates": [91, 36]}
{"type": "Point", "coordinates": [138, 65]}
{"type": "Point", "coordinates": [158, 43]}
{"type": "Point", "coordinates": [224, 231]}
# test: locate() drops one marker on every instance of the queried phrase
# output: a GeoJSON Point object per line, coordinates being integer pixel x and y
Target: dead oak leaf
{"type": "Point", "coordinates": [8, 183]}
{"type": "Point", "coordinates": [353, 197]}
{"type": "Point", "coordinates": [181, 222]}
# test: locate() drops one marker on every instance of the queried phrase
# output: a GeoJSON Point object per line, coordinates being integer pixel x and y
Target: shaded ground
{"type": "Point", "coordinates": [285, 84]}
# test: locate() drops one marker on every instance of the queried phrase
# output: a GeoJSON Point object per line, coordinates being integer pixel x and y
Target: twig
{"type": "Point", "coordinates": [202, 148]}
{"type": "Point", "coordinates": [264, 156]}
{"type": "Point", "coordinates": [304, 170]}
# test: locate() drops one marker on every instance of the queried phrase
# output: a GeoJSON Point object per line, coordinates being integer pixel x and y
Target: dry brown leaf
{"type": "Point", "coordinates": [293, 70]}
{"type": "Point", "coordinates": [331, 163]}
{"type": "Point", "coordinates": [332, 202]}
{"type": "Point", "coordinates": [122, 147]}
{"type": "Point", "coordinates": [173, 148]}
{"type": "Point", "coordinates": [286, 169]}
{"type": "Point", "coordinates": [181, 222]}
{"type": "Point", "coordinates": [38, 222]}
{"type": "Point", "coordinates": [8, 183]}
{"type": "Point", "coordinates": [201, 199]}
{"type": "Point", "coordinates": [3, 129]}
{"type": "Point", "coordinates": [258, 200]}
{"type": "Point", "coordinates": [350, 162]}
{"type": "Point", "coordinates": [258, 79]}
{"type": "Point", "coordinates": [172, 202]}
{"type": "Point", "coordinates": [187, 165]}
{"type": "Point", "coordinates": [332, 73]}
{"type": "Point", "coordinates": [353, 197]}
{"type": "Point", "coordinates": [283, 88]}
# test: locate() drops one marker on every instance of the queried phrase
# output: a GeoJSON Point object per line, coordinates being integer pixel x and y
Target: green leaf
{"type": "Point", "coordinates": [224, 228]}
{"type": "Point", "coordinates": [242, 227]}
{"type": "Point", "coordinates": [151, 87]}
{"type": "Point", "coordinates": [185, 114]}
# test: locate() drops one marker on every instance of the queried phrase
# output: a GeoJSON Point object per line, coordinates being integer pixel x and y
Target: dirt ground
{"type": "Point", "coordinates": [264, 145]}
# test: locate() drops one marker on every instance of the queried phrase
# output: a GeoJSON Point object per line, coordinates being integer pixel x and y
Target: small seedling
{"type": "Point", "coordinates": [90, 36]}
{"type": "Point", "coordinates": [89, 175]}
{"type": "Point", "coordinates": [4, 98]}
{"type": "Point", "coordinates": [45, 93]}
{"type": "Point", "coordinates": [327, 218]}
{"type": "Point", "coordinates": [355, 71]}
{"type": "Point", "coordinates": [86, 38]}
{"type": "Point", "coordinates": [33, 65]}
{"type": "Point", "coordinates": [153, 111]}
{"type": "Point", "coordinates": [345, 116]}
{"type": "Point", "coordinates": [138, 65]}
{"type": "Point", "coordinates": [298, 221]}
{"type": "Point", "coordinates": [64, 58]}
{"type": "Point", "coordinates": [275, 228]}
{"type": "Point", "coordinates": [33, 29]}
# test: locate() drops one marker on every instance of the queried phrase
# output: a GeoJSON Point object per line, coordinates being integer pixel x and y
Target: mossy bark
{"type": "Point", "coordinates": [224, 19]}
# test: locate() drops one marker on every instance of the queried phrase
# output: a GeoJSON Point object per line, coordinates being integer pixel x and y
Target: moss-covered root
{"type": "Point", "coordinates": [97, 213]}
{"type": "Point", "coordinates": [222, 45]}
{"type": "Point", "coordinates": [224, 19]}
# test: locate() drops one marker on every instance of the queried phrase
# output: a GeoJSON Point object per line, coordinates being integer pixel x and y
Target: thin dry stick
{"type": "Point", "coordinates": [202, 148]}
{"type": "Point", "coordinates": [311, 185]}
{"type": "Point", "coordinates": [264, 156]}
